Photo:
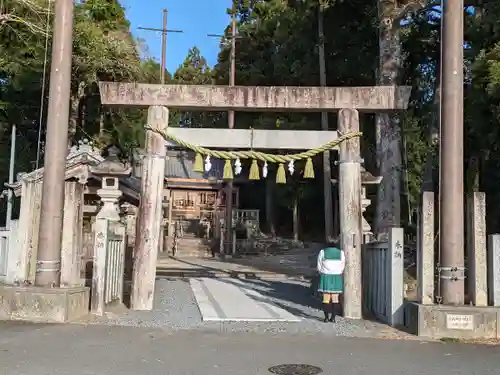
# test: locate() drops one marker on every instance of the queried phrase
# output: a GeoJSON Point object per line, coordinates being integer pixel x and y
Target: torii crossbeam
{"type": "Point", "coordinates": [248, 98]}
{"type": "Point", "coordinates": [348, 101]}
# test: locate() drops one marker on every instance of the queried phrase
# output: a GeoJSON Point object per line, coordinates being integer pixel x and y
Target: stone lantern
{"type": "Point", "coordinates": [366, 179]}
{"type": "Point", "coordinates": [110, 170]}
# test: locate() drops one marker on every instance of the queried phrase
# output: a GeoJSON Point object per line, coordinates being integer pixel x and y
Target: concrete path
{"type": "Point", "coordinates": [228, 300]}
{"type": "Point", "coordinates": [98, 350]}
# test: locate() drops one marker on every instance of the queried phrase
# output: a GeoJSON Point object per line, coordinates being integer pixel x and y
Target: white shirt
{"type": "Point", "coordinates": [330, 266]}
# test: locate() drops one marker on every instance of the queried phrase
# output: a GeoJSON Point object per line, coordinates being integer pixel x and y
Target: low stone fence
{"type": "Point", "coordinates": [382, 275]}
{"type": "Point", "coordinates": [9, 253]}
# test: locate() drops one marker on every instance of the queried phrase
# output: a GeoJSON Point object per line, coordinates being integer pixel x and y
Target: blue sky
{"type": "Point", "coordinates": [196, 18]}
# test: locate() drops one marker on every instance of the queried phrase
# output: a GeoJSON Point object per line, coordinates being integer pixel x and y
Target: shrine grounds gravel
{"type": "Point", "coordinates": [175, 309]}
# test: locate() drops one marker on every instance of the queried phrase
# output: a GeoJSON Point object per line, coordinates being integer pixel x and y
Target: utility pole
{"type": "Point", "coordinates": [164, 31]}
{"type": "Point", "coordinates": [48, 270]}
{"type": "Point", "coordinates": [230, 124]}
{"type": "Point", "coordinates": [452, 154]}
{"type": "Point", "coordinates": [327, 173]}
{"type": "Point", "coordinates": [12, 163]}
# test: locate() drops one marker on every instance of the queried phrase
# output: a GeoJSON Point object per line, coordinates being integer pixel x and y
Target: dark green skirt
{"type": "Point", "coordinates": [331, 283]}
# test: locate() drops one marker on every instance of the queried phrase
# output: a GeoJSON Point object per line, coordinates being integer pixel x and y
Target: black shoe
{"type": "Point", "coordinates": [332, 319]}
{"type": "Point", "coordinates": [326, 310]}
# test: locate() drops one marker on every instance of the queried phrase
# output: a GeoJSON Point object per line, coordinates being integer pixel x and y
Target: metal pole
{"type": "Point", "coordinates": [452, 175]}
{"type": "Point", "coordinates": [230, 123]}
{"type": "Point", "coordinates": [327, 173]}
{"type": "Point", "coordinates": [52, 205]}
{"type": "Point", "coordinates": [12, 163]}
{"type": "Point", "coordinates": [163, 47]}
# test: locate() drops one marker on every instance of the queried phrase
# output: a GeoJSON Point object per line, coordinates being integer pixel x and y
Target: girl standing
{"type": "Point", "coordinates": [331, 264]}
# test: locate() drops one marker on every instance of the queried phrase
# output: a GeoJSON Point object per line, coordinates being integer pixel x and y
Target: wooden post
{"type": "Point", "coordinates": [149, 220]}
{"type": "Point", "coordinates": [350, 211]}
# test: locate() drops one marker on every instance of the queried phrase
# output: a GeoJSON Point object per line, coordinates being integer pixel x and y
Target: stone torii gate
{"type": "Point", "coordinates": [348, 101]}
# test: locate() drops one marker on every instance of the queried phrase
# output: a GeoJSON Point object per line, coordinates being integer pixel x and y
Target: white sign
{"type": "Point", "coordinates": [462, 322]}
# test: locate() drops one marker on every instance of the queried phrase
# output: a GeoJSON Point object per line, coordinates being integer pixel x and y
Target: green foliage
{"type": "Point", "coordinates": [277, 45]}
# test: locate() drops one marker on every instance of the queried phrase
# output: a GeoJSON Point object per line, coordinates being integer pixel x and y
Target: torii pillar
{"type": "Point", "coordinates": [348, 101]}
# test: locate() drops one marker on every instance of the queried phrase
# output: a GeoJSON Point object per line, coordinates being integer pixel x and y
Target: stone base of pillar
{"type": "Point", "coordinates": [43, 305]}
{"type": "Point", "coordinates": [457, 322]}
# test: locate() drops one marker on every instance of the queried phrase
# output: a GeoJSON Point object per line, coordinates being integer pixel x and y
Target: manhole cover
{"type": "Point", "coordinates": [295, 369]}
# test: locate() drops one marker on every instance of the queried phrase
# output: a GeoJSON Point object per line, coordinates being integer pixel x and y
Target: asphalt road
{"type": "Point", "coordinates": [27, 349]}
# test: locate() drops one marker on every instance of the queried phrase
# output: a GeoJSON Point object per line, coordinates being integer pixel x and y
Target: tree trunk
{"type": "Point", "coordinates": [327, 174]}
{"type": "Point", "coordinates": [270, 207]}
{"type": "Point", "coordinates": [336, 216]}
{"type": "Point", "coordinates": [102, 112]}
{"type": "Point", "coordinates": [428, 183]}
{"type": "Point", "coordinates": [388, 132]}
{"type": "Point", "coordinates": [296, 218]}
{"type": "Point", "coordinates": [74, 114]}
{"type": "Point", "coordinates": [473, 170]}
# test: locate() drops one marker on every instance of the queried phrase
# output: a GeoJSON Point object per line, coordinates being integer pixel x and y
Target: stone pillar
{"type": "Point", "coordinates": [107, 214]}
{"type": "Point", "coordinates": [425, 250]}
{"type": "Point", "coordinates": [72, 233]}
{"type": "Point", "coordinates": [396, 277]}
{"type": "Point", "coordinates": [130, 218]}
{"type": "Point", "coordinates": [350, 211]}
{"type": "Point", "coordinates": [25, 221]}
{"type": "Point", "coordinates": [35, 233]}
{"type": "Point", "coordinates": [29, 219]}
{"type": "Point", "coordinates": [109, 171]}
{"type": "Point", "coordinates": [150, 212]}
{"type": "Point", "coordinates": [476, 242]}
{"type": "Point", "coordinates": [494, 270]}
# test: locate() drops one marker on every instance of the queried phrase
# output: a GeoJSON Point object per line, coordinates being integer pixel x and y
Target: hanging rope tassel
{"type": "Point", "coordinates": [198, 163]}
{"type": "Point", "coordinates": [280, 174]}
{"type": "Point", "coordinates": [254, 171]}
{"type": "Point", "coordinates": [309, 169]}
{"type": "Point", "coordinates": [228, 170]}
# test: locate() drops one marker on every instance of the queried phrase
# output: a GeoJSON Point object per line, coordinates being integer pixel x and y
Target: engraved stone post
{"type": "Point", "coordinates": [350, 211]}
{"type": "Point", "coordinates": [494, 270]}
{"type": "Point", "coordinates": [476, 240]}
{"type": "Point", "coordinates": [109, 170]}
{"type": "Point", "coordinates": [150, 216]}
{"type": "Point", "coordinates": [425, 250]}
{"type": "Point", "coordinates": [396, 282]}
